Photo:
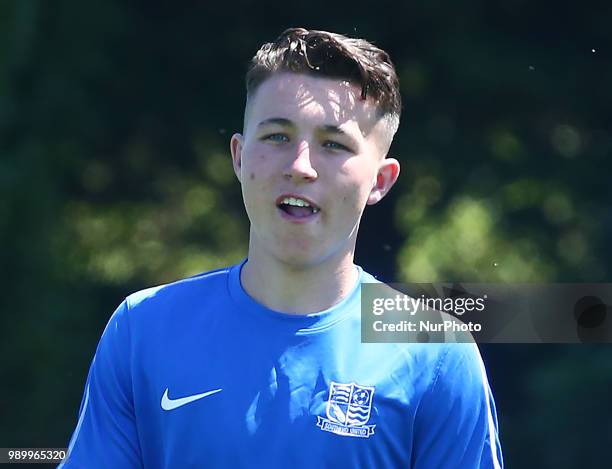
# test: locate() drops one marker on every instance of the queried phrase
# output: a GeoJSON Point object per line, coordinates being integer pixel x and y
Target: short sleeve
{"type": "Point", "coordinates": [456, 423]}
{"type": "Point", "coordinates": [106, 434]}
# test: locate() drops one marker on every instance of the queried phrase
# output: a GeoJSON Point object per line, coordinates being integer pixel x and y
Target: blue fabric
{"type": "Point", "coordinates": [286, 391]}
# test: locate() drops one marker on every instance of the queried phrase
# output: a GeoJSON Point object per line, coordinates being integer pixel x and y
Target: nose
{"type": "Point", "coordinates": [300, 166]}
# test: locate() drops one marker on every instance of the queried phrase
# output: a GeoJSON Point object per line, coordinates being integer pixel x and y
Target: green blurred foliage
{"type": "Point", "coordinates": [115, 119]}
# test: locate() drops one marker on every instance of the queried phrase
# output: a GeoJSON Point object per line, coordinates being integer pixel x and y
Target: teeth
{"type": "Point", "coordinates": [295, 202]}
{"type": "Point", "coordinates": [298, 203]}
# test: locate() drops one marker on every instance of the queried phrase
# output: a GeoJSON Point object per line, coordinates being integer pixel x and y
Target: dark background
{"type": "Point", "coordinates": [115, 175]}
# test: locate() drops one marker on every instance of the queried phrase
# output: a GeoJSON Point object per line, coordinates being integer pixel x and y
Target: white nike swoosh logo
{"type": "Point", "coordinates": [171, 404]}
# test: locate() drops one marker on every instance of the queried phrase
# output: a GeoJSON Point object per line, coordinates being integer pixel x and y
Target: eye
{"type": "Point", "coordinates": [279, 138]}
{"type": "Point", "coordinates": [331, 145]}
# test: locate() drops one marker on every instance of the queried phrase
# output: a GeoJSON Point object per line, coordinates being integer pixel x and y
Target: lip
{"type": "Point", "coordinates": [297, 220]}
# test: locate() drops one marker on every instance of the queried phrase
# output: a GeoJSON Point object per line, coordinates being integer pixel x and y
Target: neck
{"type": "Point", "coordinates": [298, 289]}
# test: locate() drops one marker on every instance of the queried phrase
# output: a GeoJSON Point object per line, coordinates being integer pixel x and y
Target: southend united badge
{"type": "Point", "coordinates": [348, 410]}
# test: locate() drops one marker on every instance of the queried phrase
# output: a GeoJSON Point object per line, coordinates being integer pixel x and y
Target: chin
{"type": "Point", "coordinates": [300, 259]}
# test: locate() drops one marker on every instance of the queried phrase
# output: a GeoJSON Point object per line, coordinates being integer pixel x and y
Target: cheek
{"type": "Point", "coordinates": [357, 183]}
{"type": "Point", "coordinates": [258, 165]}
{"type": "Point", "coordinates": [350, 201]}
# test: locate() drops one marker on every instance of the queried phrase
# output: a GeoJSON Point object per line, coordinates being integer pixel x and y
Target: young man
{"type": "Point", "coordinates": [261, 364]}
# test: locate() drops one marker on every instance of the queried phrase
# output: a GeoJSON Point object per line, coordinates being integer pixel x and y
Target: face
{"type": "Point", "coordinates": [310, 160]}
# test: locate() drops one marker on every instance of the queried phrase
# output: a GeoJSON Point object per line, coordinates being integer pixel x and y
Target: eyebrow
{"type": "Point", "coordinates": [330, 129]}
{"type": "Point", "coordinates": [276, 120]}
{"type": "Point", "coordinates": [334, 129]}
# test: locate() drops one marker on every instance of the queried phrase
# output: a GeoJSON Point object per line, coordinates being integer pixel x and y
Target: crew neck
{"type": "Point", "coordinates": [294, 323]}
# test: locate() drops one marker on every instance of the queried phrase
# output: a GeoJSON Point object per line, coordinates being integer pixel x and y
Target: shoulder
{"type": "Point", "coordinates": [442, 368]}
{"type": "Point", "coordinates": [445, 357]}
{"type": "Point", "coordinates": [459, 366]}
{"type": "Point", "coordinates": [151, 311]}
{"type": "Point", "coordinates": [151, 316]}
{"type": "Point", "coordinates": [200, 286]}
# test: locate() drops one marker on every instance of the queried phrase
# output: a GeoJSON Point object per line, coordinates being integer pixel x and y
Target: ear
{"type": "Point", "coordinates": [236, 150]}
{"type": "Point", "coordinates": [388, 173]}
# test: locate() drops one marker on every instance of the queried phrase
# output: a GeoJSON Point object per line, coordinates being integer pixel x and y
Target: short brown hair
{"type": "Point", "coordinates": [330, 55]}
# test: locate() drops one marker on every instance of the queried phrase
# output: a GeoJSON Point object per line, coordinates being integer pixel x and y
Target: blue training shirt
{"type": "Point", "coordinates": [198, 374]}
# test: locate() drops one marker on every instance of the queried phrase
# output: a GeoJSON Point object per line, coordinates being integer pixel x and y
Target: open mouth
{"type": "Point", "coordinates": [297, 208]}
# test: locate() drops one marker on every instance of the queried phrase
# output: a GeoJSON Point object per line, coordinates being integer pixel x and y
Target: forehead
{"type": "Point", "coordinates": [306, 99]}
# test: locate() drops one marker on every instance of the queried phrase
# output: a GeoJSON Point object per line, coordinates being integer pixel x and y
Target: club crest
{"type": "Point", "coordinates": [348, 410]}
